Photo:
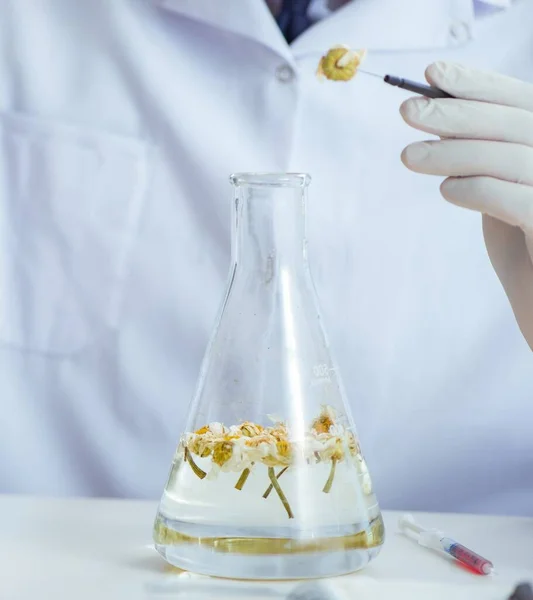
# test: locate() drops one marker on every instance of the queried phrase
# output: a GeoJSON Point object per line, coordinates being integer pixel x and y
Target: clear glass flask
{"type": "Point", "coordinates": [268, 480]}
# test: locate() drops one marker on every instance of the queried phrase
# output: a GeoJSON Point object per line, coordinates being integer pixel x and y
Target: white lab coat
{"type": "Point", "coordinates": [119, 125]}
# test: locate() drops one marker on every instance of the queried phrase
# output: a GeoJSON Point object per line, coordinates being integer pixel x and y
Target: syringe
{"type": "Point", "coordinates": [435, 539]}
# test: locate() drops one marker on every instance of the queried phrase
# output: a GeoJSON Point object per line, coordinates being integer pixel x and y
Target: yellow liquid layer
{"type": "Point", "coordinates": [372, 537]}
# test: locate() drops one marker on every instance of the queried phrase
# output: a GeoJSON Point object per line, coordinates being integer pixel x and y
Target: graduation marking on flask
{"type": "Point", "coordinates": [322, 374]}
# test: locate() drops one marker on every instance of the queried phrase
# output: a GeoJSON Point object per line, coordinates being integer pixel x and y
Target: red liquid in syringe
{"type": "Point", "coordinates": [471, 559]}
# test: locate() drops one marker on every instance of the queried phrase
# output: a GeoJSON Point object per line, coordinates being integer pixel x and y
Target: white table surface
{"type": "Point", "coordinates": [55, 549]}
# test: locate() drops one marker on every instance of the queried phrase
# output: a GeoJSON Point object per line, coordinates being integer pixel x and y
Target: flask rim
{"type": "Point", "coordinates": [266, 179]}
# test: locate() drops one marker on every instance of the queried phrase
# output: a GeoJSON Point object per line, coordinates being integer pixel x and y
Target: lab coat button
{"type": "Point", "coordinates": [460, 31]}
{"type": "Point", "coordinates": [285, 73]}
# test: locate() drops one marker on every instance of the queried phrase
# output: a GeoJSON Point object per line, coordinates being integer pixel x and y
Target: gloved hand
{"type": "Point", "coordinates": [486, 153]}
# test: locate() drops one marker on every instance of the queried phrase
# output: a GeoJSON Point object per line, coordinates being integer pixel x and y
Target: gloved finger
{"type": "Point", "coordinates": [511, 203]}
{"type": "Point", "coordinates": [450, 118]}
{"type": "Point", "coordinates": [465, 158]}
{"type": "Point", "coordinates": [471, 84]}
{"type": "Point", "coordinates": [510, 255]}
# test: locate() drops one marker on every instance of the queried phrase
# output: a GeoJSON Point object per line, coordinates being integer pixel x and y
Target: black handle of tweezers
{"type": "Point", "coordinates": [523, 591]}
{"type": "Point", "coordinates": [417, 88]}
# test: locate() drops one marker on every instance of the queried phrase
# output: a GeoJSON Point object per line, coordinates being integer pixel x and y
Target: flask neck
{"type": "Point", "coordinates": [269, 226]}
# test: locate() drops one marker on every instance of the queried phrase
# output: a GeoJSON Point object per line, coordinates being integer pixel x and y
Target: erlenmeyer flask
{"type": "Point", "coordinates": [268, 480]}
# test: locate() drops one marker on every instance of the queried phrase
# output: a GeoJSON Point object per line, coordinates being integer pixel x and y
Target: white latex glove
{"type": "Point", "coordinates": [486, 151]}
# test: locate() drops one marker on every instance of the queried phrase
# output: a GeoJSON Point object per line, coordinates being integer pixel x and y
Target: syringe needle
{"type": "Point", "coordinates": [370, 73]}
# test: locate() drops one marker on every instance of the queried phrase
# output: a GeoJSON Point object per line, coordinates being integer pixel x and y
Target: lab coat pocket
{"type": "Point", "coordinates": [70, 201]}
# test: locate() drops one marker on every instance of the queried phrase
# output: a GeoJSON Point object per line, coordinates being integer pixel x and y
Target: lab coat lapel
{"type": "Point", "coordinates": [248, 18]}
{"type": "Point", "coordinates": [378, 25]}
{"type": "Point", "coordinates": [388, 25]}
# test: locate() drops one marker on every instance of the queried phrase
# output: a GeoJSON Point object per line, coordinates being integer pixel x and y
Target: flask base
{"type": "Point", "coordinates": [214, 551]}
